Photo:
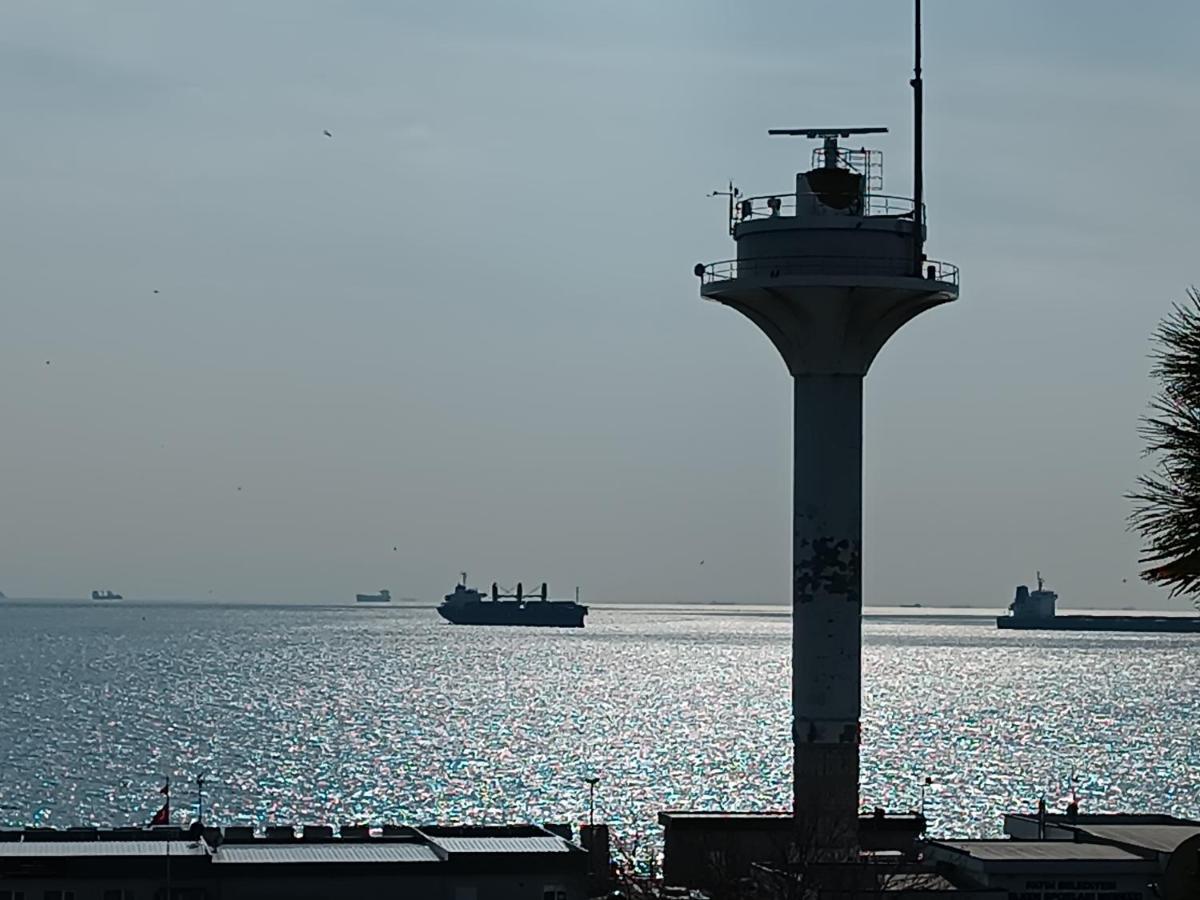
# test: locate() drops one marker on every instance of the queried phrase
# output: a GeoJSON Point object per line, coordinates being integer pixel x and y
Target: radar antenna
{"type": "Point", "coordinates": [829, 137]}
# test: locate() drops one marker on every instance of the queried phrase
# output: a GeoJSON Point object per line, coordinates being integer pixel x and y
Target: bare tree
{"type": "Point", "coordinates": [812, 857]}
{"type": "Point", "coordinates": [635, 866]}
{"type": "Point", "coordinates": [1167, 500]}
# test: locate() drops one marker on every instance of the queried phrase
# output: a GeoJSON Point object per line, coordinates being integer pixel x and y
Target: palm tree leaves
{"type": "Point", "coordinates": [1167, 499]}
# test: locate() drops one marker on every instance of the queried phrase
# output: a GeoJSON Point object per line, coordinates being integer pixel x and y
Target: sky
{"type": "Point", "coordinates": [241, 360]}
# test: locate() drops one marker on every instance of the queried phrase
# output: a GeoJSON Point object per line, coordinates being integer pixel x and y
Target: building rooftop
{"type": "Point", "coordinates": [335, 852]}
{"type": "Point", "coordinates": [1008, 851]}
{"type": "Point", "coordinates": [1159, 838]}
{"type": "Point", "coordinates": [1105, 819]}
{"type": "Point", "coordinates": [673, 816]}
{"type": "Point", "coordinates": [549, 844]}
{"type": "Point", "coordinates": [41, 848]}
{"type": "Point", "coordinates": [495, 839]}
{"type": "Point", "coordinates": [282, 845]}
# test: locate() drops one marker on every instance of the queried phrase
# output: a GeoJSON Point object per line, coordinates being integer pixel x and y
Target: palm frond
{"type": "Point", "coordinates": [1167, 500]}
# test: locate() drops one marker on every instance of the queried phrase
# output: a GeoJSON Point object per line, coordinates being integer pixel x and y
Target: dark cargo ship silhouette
{"type": "Point", "coordinates": [467, 606]}
{"type": "Point", "coordinates": [384, 596]}
{"type": "Point", "coordinates": [1034, 610]}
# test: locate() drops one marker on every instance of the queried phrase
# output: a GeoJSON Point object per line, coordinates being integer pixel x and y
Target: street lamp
{"type": "Point", "coordinates": [592, 781]}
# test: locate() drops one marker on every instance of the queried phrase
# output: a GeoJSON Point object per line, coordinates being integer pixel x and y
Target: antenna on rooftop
{"type": "Point", "coordinates": [918, 145]}
{"type": "Point", "coordinates": [828, 135]}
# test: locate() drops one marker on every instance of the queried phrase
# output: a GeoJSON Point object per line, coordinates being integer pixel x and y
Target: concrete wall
{"type": "Point", "coordinates": [880, 246]}
{"type": "Point", "coordinates": [464, 887]}
{"type": "Point", "coordinates": [1072, 886]}
{"type": "Point", "coordinates": [297, 885]}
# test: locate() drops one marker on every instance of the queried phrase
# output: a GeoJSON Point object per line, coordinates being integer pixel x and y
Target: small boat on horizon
{"type": "Point", "coordinates": [106, 595]}
{"type": "Point", "coordinates": [384, 596]}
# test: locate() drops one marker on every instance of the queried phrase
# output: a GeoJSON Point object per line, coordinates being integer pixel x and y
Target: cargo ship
{"type": "Point", "coordinates": [106, 595]}
{"type": "Point", "coordinates": [468, 606]}
{"type": "Point", "coordinates": [1035, 610]}
{"type": "Point", "coordinates": [384, 596]}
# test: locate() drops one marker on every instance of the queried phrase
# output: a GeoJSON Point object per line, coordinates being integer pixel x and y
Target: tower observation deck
{"type": "Point", "coordinates": [829, 270]}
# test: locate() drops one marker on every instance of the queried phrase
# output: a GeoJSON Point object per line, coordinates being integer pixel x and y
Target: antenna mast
{"type": "Point", "coordinates": [918, 148]}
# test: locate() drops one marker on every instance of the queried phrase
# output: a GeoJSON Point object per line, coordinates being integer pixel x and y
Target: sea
{"type": "Point", "coordinates": [346, 714]}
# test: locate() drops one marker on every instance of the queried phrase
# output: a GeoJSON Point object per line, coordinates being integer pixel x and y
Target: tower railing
{"type": "Point", "coordinates": [777, 266]}
{"type": "Point", "coordinates": [769, 206]}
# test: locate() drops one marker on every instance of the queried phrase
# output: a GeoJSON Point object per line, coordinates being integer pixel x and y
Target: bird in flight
{"type": "Point", "coordinates": [327, 134]}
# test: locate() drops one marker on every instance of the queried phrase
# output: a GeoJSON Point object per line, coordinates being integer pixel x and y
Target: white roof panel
{"type": "Point", "coordinates": [63, 849]}
{"type": "Point", "coordinates": [382, 852]}
{"type": "Point", "coordinates": [540, 844]}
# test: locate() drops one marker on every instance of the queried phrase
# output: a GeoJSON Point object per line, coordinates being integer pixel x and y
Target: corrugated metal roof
{"type": "Point", "coordinates": [325, 853]}
{"type": "Point", "coordinates": [1040, 850]}
{"type": "Point", "coordinates": [546, 844]}
{"type": "Point", "coordinates": [1160, 838]}
{"type": "Point", "coordinates": [62, 849]}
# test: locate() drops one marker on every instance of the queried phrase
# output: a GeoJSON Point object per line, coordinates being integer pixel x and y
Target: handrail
{"type": "Point", "coordinates": [769, 206]}
{"type": "Point", "coordinates": [774, 266]}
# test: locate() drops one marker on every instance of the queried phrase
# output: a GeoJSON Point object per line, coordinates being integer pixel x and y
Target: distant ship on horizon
{"type": "Point", "coordinates": [1035, 610]}
{"type": "Point", "coordinates": [384, 596]}
{"type": "Point", "coordinates": [106, 595]}
{"type": "Point", "coordinates": [467, 606]}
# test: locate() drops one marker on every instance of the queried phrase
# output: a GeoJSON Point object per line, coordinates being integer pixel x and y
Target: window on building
{"type": "Point", "coordinates": [554, 892]}
{"type": "Point", "coordinates": [118, 894]}
{"type": "Point", "coordinates": [58, 895]}
{"type": "Point", "coordinates": [12, 895]}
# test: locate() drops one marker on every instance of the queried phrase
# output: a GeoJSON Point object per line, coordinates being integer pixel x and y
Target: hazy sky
{"type": "Point", "coordinates": [467, 327]}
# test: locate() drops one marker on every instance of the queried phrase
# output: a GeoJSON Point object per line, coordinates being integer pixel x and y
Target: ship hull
{"type": "Point", "coordinates": [1160, 624]}
{"type": "Point", "coordinates": [542, 614]}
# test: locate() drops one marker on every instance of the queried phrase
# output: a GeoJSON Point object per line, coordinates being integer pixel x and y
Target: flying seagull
{"type": "Point", "coordinates": [327, 134]}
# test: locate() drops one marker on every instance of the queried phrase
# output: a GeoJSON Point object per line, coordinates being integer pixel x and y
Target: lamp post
{"type": "Point", "coordinates": [592, 781]}
{"type": "Point", "coordinates": [200, 799]}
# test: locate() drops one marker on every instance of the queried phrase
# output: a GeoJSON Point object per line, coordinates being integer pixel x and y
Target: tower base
{"type": "Point", "coordinates": [825, 801]}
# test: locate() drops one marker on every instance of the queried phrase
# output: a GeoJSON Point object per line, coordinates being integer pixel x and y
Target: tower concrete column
{"type": "Point", "coordinates": [827, 601]}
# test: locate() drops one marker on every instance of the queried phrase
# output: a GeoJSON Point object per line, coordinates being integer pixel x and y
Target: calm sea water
{"type": "Point", "coordinates": [302, 714]}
